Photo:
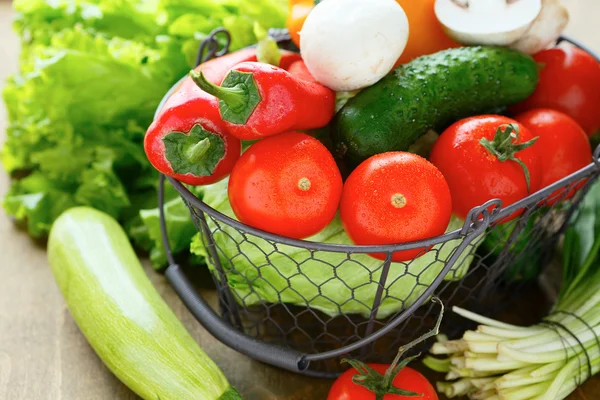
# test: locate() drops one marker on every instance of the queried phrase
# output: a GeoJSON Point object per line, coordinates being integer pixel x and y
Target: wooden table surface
{"type": "Point", "coordinates": [44, 356]}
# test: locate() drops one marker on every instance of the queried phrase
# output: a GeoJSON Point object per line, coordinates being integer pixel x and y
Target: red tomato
{"type": "Point", "coordinates": [393, 198]}
{"type": "Point", "coordinates": [288, 184]}
{"type": "Point", "coordinates": [569, 82]}
{"type": "Point", "coordinates": [563, 144]}
{"type": "Point", "coordinates": [408, 379]}
{"type": "Point", "coordinates": [474, 174]}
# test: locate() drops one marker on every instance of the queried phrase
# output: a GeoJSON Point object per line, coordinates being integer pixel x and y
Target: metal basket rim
{"type": "Point", "coordinates": [470, 223]}
{"type": "Point", "coordinates": [469, 227]}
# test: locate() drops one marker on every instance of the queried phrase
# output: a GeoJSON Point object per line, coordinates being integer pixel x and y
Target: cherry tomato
{"type": "Point", "coordinates": [393, 198]}
{"type": "Point", "coordinates": [476, 175]}
{"type": "Point", "coordinates": [563, 145]}
{"type": "Point", "coordinates": [408, 379]}
{"type": "Point", "coordinates": [569, 82]}
{"type": "Point", "coordinates": [426, 34]}
{"type": "Point", "coordinates": [288, 184]}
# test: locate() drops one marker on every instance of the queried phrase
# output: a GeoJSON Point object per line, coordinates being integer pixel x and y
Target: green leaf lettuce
{"type": "Point", "coordinates": [260, 271]}
{"type": "Point", "coordinates": [92, 73]}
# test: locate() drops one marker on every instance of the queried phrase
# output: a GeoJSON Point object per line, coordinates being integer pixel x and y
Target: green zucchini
{"type": "Point", "coordinates": [122, 315]}
{"type": "Point", "coordinates": [431, 92]}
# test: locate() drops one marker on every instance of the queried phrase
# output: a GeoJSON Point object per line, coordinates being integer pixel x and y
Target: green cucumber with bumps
{"type": "Point", "coordinates": [431, 92]}
{"type": "Point", "coordinates": [123, 317]}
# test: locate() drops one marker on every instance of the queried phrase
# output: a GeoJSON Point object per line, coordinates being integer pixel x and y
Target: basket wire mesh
{"type": "Point", "coordinates": [303, 305]}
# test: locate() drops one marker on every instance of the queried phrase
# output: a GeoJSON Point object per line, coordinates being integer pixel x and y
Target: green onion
{"type": "Point", "coordinates": [546, 361]}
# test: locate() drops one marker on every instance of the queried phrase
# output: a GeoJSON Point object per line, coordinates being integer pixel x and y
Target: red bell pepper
{"type": "Point", "coordinates": [217, 69]}
{"type": "Point", "coordinates": [188, 140]}
{"type": "Point", "coordinates": [300, 70]}
{"type": "Point", "coordinates": [259, 100]}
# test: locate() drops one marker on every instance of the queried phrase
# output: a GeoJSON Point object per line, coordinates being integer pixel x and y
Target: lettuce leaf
{"type": "Point", "coordinates": [260, 271]}
{"type": "Point", "coordinates": [37, 20]}
{"type": "Point", "coordinates": [76, 123]}
{"type": "Point", "coordinates": [91, 75]}
{"type": "Point", "coordinates": [179, 223]}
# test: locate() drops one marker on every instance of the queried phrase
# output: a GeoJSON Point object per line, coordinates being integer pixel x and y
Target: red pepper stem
{"type": "Point", "coordinates": [234, 97]}
{"type": "Point", "coordinates": [196, 152]}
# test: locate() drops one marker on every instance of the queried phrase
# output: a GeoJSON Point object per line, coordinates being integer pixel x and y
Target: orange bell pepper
{"type": "Point", "coordinates": [297, 13]}
{"type": "Point", "coordinates": [426, 34]}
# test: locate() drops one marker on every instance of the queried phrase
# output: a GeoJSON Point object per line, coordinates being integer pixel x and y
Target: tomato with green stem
{"type": "Point", "coordinates": [288, 184]}
{"type": "Point", "coordinates": [395, 197]}
{"type": "Point", "coordinates": [488, 157]}
{"type": "Point", "coordinates": [395, 381]}
{"type": "Point", "coordinates": [564, 147]}
{"type": "Point", "coordinates": [408, 379]}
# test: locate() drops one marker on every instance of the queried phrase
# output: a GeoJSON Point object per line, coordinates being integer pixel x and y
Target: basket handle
{"type": "Point", "coordinates": [281, 357]}
{"type": "Point", "coordinates": [284, 358]}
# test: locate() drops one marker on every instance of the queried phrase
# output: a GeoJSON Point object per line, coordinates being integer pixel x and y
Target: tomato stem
{"type": "Point", "coordinates": [505, 146]}
{"type": "Point", "coordinates": [398, 200]}
{"type": "Point", "coordinates": [304, 184]}
{"type": "Point", "coordinates": [390, 373]}
{"type": "Point", "coordinates": [382, 385]}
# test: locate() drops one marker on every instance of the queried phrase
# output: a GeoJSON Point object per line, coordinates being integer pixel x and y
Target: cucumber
{"type": "Point", "coordinates": [431, 92]}
{"type": "Point", "coordinates": [122, 315]}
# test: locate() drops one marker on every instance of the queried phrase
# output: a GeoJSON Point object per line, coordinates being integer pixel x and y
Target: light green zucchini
{"type": "Point", "coordinates": [122, 315]}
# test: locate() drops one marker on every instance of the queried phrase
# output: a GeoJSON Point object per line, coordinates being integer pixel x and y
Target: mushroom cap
{"type": "Point", "coordinates": [487, 22]}
{"type": "Point", "coordinates": [351, 44]}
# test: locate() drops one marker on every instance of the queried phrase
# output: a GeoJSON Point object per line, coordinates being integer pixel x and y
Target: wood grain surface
{"type": "Point", "coordinates": [43, 356]}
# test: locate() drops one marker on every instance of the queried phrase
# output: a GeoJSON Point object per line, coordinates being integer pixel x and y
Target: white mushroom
{"type": "Point", "coordinates": [487, 22]}
{"type": "Point", "coordinates": [351, 44]}
{"type": "Point", "coordinates": [546, 28]}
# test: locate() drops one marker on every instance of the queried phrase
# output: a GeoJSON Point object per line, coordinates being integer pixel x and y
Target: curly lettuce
{"type": "Point", "coordinates": [91, 75]}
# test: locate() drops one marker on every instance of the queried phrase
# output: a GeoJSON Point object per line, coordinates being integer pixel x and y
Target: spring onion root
{"type": "Point", "coordinates": [547, 361]}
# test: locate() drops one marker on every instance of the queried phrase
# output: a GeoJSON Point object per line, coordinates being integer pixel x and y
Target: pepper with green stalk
{"type": "Point", "coordinates": [261, 99]}
{"type": "Point", "coordinates": [188, 140]}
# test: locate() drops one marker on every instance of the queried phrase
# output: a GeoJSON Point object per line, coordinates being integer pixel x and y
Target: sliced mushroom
{"type": "Point", "coordinates": [487, 22]}
{"type": "Point", "coordinates": [546, 28]}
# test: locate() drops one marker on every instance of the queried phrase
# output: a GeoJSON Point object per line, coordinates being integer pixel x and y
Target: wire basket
{"type": "Point", "coordinates": [303, 305]}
